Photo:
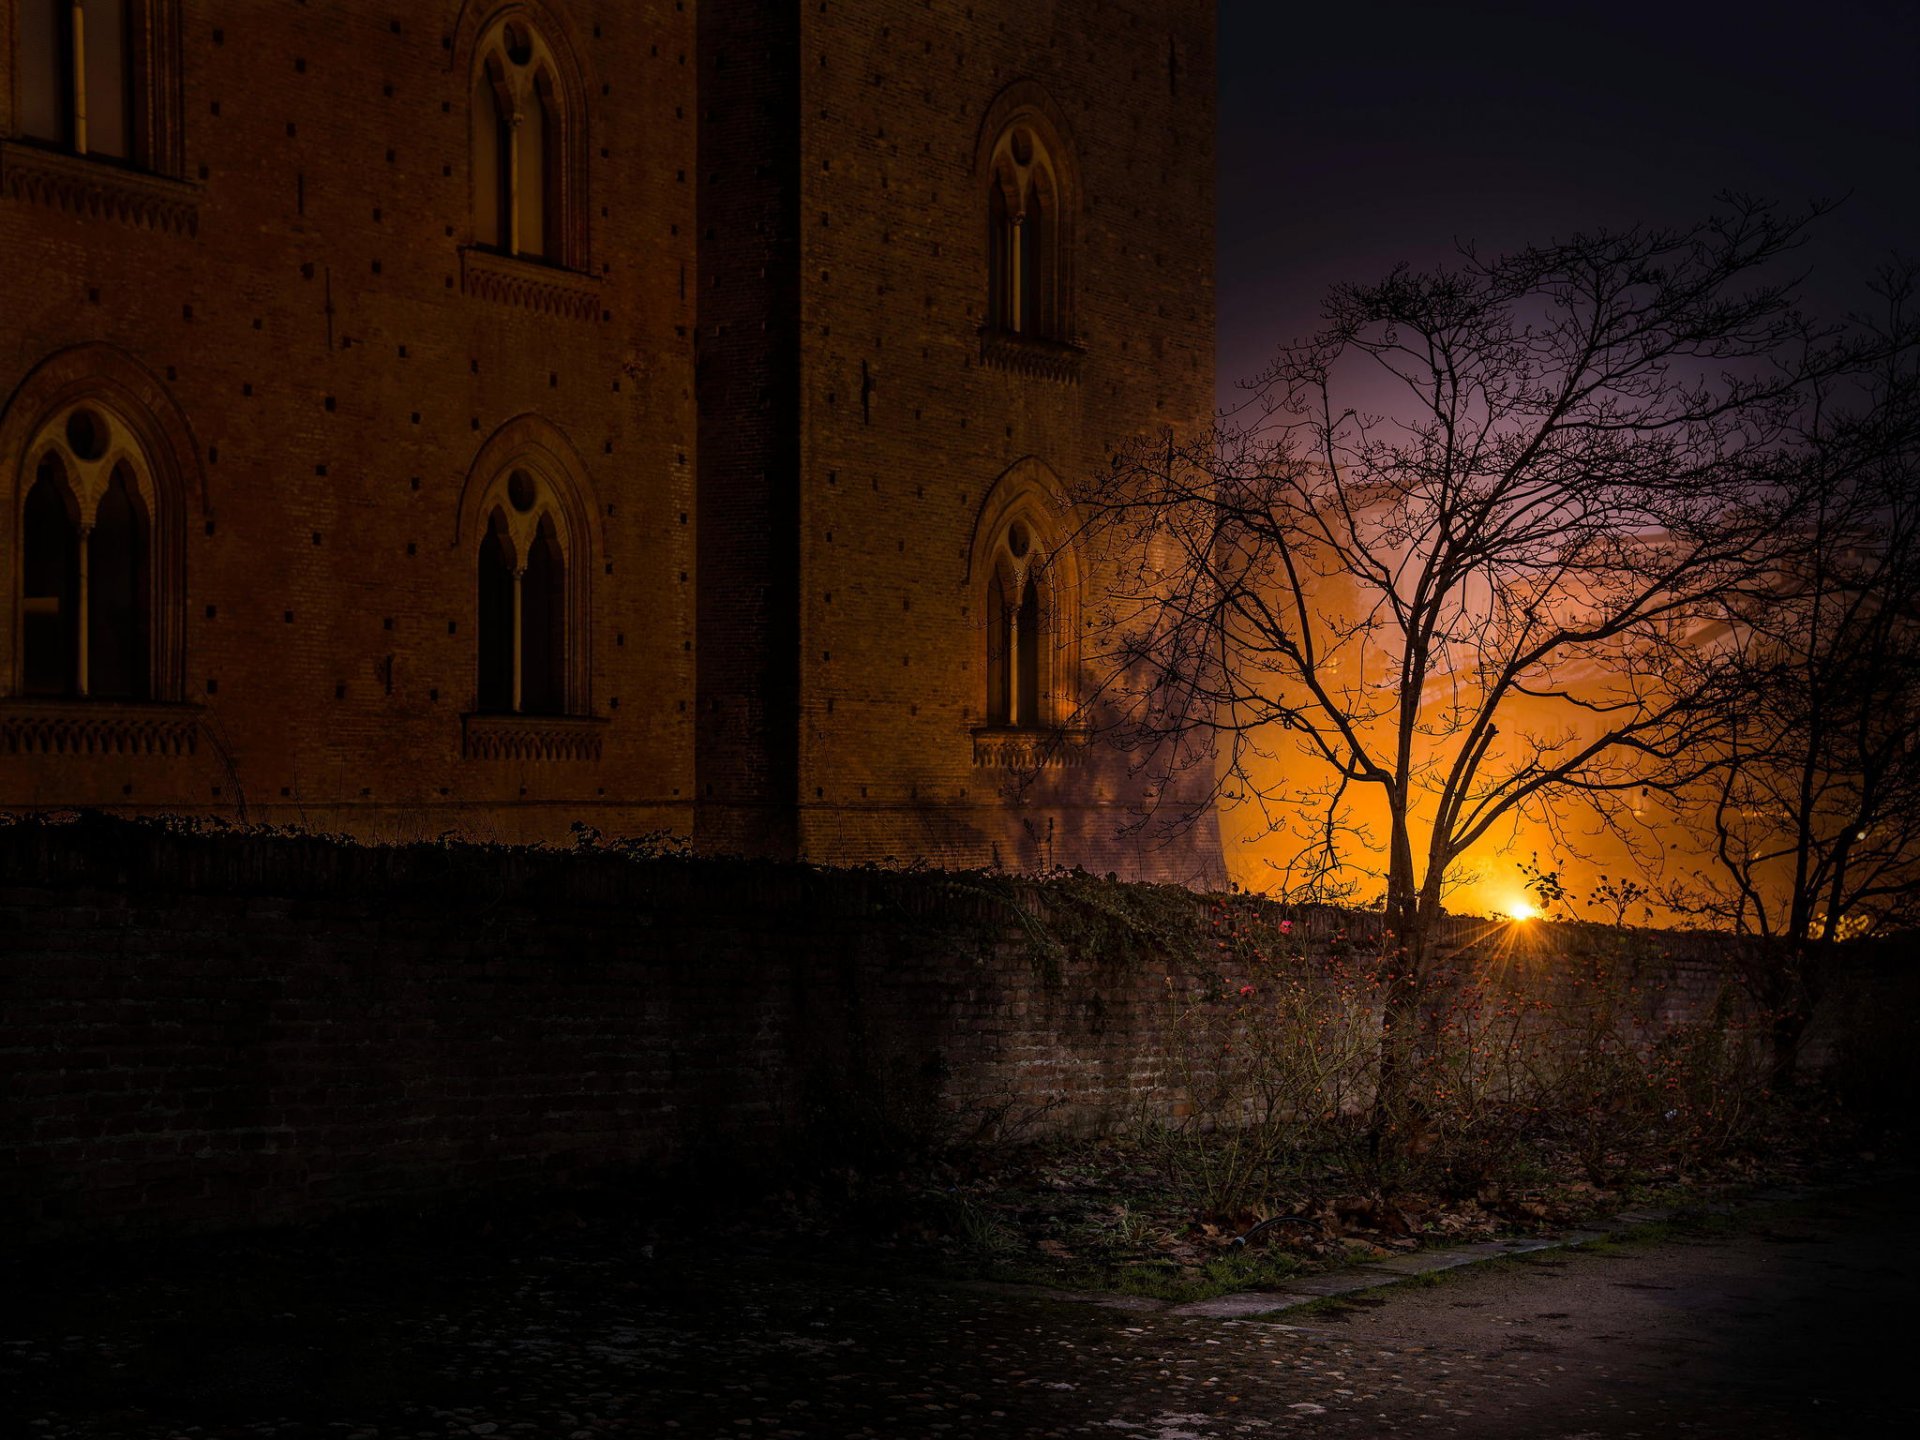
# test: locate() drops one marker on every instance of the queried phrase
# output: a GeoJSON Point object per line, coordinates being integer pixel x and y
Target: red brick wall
{"type": "Point", "coordinates": [337, 383]}
{"type": "Point", "coordinates": [198, 1030]}
{"type": "Point", "coordinates": [905, 429]}
{"type": "Point", "coordinates": [775, 195]}
{"type": "Point", "coordinates": [749, 380]}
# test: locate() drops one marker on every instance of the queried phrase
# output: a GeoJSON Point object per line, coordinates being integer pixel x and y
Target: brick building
{"type": "Point", "coordinates": [485, 416]}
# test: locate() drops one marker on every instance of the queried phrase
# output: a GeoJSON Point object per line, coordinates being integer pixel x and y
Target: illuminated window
{"type": "Point", "coordinates": [1023, 584]}
{"type": "Point", "coordinates": [527, 142]}
{"type": "Point", "coordinates": [1017, 619]}
{"type": "Point", "coordinates": [1027, 292]}
{"type": "Point", "coordinates": [87, 595]}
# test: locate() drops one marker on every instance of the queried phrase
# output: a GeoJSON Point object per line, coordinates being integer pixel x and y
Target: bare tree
{"type": "Point", "coordinates": [1455, 558]}
{"type": "Point", "coordinates": [1812, 823]}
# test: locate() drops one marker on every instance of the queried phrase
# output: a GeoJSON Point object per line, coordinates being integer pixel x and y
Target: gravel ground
{"type": "Point", "coordinates": [1793, 1324]}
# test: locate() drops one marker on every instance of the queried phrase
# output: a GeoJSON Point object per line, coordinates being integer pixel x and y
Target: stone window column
{"type": "Point", "coordinates": [519, 634]}
{"type": "Point", "coordinates": [1016, 277]}
{"type": "Point", "coordinates": [80, 148]}
{"type": "Point", "coordinates": [513, 218]}
{"type": "Point", "coordinates": [81, 532]}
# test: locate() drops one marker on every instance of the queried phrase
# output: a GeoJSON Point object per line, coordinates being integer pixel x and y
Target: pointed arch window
{"type": "Point", "coordinates": [1027, 663]}
{"type": "Point", "coordinates": [527, 144]}
{"type": "Point", "coordinates": [88, 596]}
{"type": "Point", "coordinates": [100, 467]}
{"type": "Point", "coordinates": [1027, 255]}
{"type": "Point", "coordinates": [1017, 629]}
{"type": "Point", "coordinates": [1024, 577]}
{"type": "Point", "coordinates": [523, 602]}
{"type": "Point", "coordinates": [527, 526]}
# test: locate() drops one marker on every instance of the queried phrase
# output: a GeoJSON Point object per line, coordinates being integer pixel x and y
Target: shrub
{"type": "Point", "coordinates": [1276, 1060]}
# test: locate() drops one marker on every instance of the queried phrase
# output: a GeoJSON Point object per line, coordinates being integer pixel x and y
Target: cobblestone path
{"type": "Point", "coordinates": [1799, 1323]}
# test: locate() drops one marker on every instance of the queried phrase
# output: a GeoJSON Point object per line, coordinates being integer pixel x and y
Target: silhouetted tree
{"type": "Point", "coordinates": [1457, 556]}
{"type": "Point", "coordinates": [1812, 823]}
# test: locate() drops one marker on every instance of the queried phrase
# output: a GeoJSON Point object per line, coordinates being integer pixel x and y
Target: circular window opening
{"type": "Point", "coordinates": [1018, 541]}
{"type": "Point", "coordinates": [1022, 148]}
{"type": "Point", "coordinates": [520, 491]}
{"type": "Point", "coordinates": [519, 44]}
{"type": "Point", "coordinates": [86, 435]}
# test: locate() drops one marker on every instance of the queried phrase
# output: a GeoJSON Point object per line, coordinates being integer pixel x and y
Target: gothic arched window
{"type": "Point", "coordinates": [1027, 254]}
{"type": "Point", "coordinates": [86, 575]}
{"type": "Point", "coordinates": [1018, 624]}
{"type": "Point", "coordinates": [525, 171]}
{"type": "Point", "coordinates": [531, 595]}
{"type": "Point", "coordinates": [1023, 582]}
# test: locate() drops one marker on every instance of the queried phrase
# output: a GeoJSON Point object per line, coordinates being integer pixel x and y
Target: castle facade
{"type": "Point", "coordinates": [490, 415]}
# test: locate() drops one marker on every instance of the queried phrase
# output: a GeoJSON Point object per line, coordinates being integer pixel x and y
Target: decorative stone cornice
{"type": "Point", "coordinates": [1002, 747]}
{"type": "Point", "coordinates": [543, 289]}
{"type": "Point", "coordinates": [97, 727]}
{"type": "Point", "coordinates": [98, 188]}
{"type": "Point", "coordinates": [1030, 355]}
{"type": "Point", "coordinates": [531, 737]}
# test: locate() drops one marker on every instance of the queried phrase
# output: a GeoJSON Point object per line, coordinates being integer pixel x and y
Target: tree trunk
{"type": "Point", "coordinates": [1788, 1029]}
{"type": "Point", "coordinates": [1403, 952]}
{"type": "Point", "coordinates": [1798, 981]}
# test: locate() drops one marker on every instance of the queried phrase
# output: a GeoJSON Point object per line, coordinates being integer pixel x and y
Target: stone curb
{"type": "Point", "coordinates": [1398, 1269]}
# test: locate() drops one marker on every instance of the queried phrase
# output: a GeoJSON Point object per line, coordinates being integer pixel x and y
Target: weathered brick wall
{"type": "Point", "coordinates": [207, 1029]}
{"type": "Point", "coordinates": [907, 428]}
{"type": "Point", "coordinates": [203, 1029]}
{"type": "Point", "coordinates": [335, 381]}
{"type": "Point", "coordinates": [749, 643]}
{"type": "Point", "coordinates": [328, 380]}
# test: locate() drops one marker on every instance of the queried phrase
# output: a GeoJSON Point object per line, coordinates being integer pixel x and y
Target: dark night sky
{"type": "Point", "coordinates": [1352, 136]}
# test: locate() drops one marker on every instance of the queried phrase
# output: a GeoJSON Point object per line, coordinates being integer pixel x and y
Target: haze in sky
{"type": "Point", "coordinates": [1351, 137]}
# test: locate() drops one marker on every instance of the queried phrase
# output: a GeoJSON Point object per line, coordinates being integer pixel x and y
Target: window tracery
{"type": "Point", "coordinates": [527, 528]}
{"type": "Point", "coordinates": [522, 605]}
{"type": "Point", "coordinates": [1030, 205]}
{"type": "Point", "coordinates": [1017, 617]}
{"type": "Point", "coordinates": [1024, 264]}
{"type": "Point", "coordinates": [527, 126]}
{"type": "Point", "coordinates": [1024, 577]}
{"type": "Point", "coordinates": [88, 597]}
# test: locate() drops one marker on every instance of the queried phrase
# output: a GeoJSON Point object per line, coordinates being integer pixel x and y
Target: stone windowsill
{"type": "Point", "coordinates": [1031, 355]}
{"type": "Point", "coordinates": [98, 188]}
{"type": "Point", "coordinates": [529, 284]}
{"type": "Point", "coordinates": [1022, 747]}
{"type": "Point", "coordinates": [30, 726]}
{"type": "Point", "coordinates": [485, 736]}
